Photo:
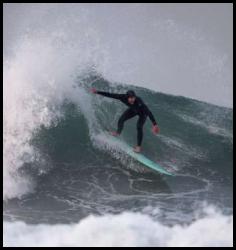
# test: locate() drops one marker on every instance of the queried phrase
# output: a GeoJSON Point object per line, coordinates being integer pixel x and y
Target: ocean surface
{"type": "Point", "coordinates": [65, 183]}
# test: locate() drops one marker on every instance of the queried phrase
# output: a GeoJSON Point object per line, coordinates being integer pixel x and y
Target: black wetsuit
{"type": "Point", "coordinates": [138, 108]}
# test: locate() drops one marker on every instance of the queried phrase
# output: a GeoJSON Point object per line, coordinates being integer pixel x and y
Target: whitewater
{"type": "Point", "coordinates": [64, 182]}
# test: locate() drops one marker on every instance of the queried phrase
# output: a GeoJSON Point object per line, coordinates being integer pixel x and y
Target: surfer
{"type": "Point", "coordinates": [136, 107]}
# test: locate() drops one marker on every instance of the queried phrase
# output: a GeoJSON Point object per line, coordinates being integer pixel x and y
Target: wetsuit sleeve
{"type": "Point", "coordinates": [149, 113]}
{"type": "Point", "coordinates": [111, 95]}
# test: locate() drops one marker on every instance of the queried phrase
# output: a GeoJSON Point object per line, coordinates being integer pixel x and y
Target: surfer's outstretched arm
{"type": "Point", "coordinates": [110, 95]}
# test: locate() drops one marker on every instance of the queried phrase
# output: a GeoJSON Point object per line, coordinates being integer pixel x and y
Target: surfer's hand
{"type": "Point", "coordinates": [93, 90]}
{"type": "Point", "coordinates": [155, 129]}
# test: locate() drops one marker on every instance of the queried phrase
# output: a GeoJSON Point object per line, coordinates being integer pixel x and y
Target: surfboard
{"type": "Point", "coordinates": [139, 156]}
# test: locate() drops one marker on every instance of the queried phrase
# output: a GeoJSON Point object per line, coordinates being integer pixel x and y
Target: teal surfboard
{"type": "Point", "coordinates": [138, 156]}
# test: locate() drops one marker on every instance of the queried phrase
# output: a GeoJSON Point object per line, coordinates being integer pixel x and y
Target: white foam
{"type": "Point", "coordinates": [36, 82]}
{"type": "Point", "coordinates": [126, 229]}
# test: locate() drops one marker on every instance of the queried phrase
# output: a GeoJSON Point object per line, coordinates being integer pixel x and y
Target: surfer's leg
{"type": "Point", "coordinates": [140, 124]}
{"type": "Point", "coordinates": [124, 117]}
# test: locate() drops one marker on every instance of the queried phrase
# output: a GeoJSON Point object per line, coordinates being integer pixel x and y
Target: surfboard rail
{"type": "Point", "coordinates": [140, 157]}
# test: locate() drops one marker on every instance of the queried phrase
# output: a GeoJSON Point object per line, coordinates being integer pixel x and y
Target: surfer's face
{"type": "Point", "coordinates": [131, 100]}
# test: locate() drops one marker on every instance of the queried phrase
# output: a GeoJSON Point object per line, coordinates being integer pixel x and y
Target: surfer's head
{"type": "Point", "coordinates": [131, 96]}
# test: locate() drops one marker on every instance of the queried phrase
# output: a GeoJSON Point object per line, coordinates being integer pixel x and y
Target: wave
{"type": "Point", "coordinates": [74, 167]}
{"type": "Point", "coordinates": [34, 138]}
{"type": "Point", "coordinates": [52, 146]}
{"type": "Point", "coordinates": [124, 230]}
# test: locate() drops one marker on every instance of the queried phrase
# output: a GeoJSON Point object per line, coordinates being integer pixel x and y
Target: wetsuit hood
{"type": "Point", "coordinates": [130, 93]}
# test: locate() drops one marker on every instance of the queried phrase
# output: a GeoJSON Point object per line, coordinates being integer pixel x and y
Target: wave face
{"type": "Point", "coordinates": [71, 167]}
{"type": "Point", "coordinates": [58, 165]}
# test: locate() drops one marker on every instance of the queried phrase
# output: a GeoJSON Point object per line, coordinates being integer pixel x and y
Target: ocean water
{"type": "Point", "coordinates": [65, 183]}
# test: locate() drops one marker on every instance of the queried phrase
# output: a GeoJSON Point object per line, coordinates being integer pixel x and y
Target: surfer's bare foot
{"type": "Point", "coordinates": [114, 133]}
{"type": "Point", "coordinates": [137, 149]}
